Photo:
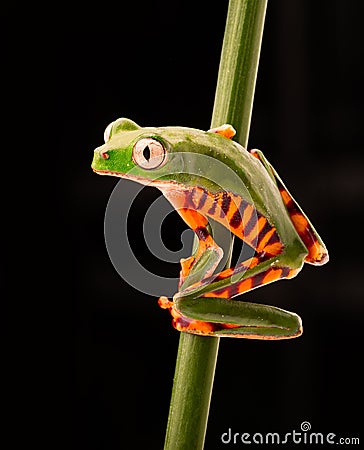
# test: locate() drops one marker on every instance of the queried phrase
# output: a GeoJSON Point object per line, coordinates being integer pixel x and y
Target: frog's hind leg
{"type": "Point", "coordinates": [246, 276]}
{"type": "Point", "coordinates": [209, 310]}
{"type": "Point", "coordinates": [227, 288]}
{"type": "Point", "coordinates": [317, 252]}
{"type": "Point", "coordinates": [230, 318]}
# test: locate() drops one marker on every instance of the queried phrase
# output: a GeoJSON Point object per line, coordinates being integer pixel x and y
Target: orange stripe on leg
{"type": "Point", "coordinates": [272, 275]}
{"type": "Point", "coordinates": [259, 279]}
{"type": "Point", "coordinates": [264, 241]}
{"type": "Point", "coordinates": [317, 254]}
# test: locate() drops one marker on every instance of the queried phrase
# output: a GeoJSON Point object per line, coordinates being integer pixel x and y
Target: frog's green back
{"type": "Point", "coordinates": [201, 159]}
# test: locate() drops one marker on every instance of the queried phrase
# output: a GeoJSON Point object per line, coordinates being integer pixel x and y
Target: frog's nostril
{"type": "Point", "coordinates": [104, 155]}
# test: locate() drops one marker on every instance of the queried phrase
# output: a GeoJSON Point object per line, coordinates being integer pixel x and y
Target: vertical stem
{"type": "Point", "coordinates": [197, 355]}
{"type": "Point", "coordinates": [191, 394]}
{"type": "Point", "coordinates": [239, 66]}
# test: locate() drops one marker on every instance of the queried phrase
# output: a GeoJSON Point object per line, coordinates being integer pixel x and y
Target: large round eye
{"type": "Point", "coordinates": [148, 153]}
{"type": "Point", "coordinates": [107, 132]}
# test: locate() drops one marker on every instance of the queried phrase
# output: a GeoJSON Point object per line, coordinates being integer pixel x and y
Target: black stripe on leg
{"type": "Point", "coordinates": [189, 199]}
{"type": "Point", "coordinates": [290, 205]}
{"type": "Point", "coordinates": [236, 219]}
{"type": "Point", "coordinates": [202, 201]}
{"type": "Point", "coordinates": [273, 239]}
{"type": "Point", "coordinates": [257, 279]}
{"type": "Point", "coordinates": [225, 204]}
{"type": "Point", "coordinates": [214, 205]}
{"type": "Point", "coordinates": [251, 222]}
{"type": "Point", "coordinates": [202, 233]}
{"type": "Point", "coordinates": [285, 272]}
{"type": "Point", "coordinates": [267, 227]}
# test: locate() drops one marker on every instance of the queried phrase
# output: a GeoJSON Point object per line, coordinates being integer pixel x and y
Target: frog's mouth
{"type": "Point", "coordinates": [141, 180]}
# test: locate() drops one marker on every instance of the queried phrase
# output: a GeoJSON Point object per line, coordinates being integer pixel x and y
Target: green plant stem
{"type": "Point", "coordinates": [197, 355]}
{"type": "Point", "coordinates": [196, 360]}
{"type": "Point", "coordinates": [239, 66]}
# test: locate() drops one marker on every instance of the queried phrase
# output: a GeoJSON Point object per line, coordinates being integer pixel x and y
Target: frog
{"type": "Point", "coordinates": [208, 177]}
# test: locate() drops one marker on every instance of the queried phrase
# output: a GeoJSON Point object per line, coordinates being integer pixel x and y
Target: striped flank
{"type": "Point", "coordinates": [238, 215]}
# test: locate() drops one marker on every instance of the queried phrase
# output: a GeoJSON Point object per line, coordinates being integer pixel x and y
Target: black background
{"type": "Point", "coordinates": [105, 356]}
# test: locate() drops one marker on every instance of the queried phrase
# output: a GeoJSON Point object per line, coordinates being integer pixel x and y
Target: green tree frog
{"type": "Point", "coordinates": [249, 199]}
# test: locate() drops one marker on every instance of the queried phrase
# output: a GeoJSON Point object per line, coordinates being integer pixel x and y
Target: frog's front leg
{"type": "Point", "coordinates": [208, 254]}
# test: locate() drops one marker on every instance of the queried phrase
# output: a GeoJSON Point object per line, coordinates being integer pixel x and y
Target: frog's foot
{"type": "Point", "coordinates": [183, 323]}
{"type": "Point", "coordinates": [165, 303]}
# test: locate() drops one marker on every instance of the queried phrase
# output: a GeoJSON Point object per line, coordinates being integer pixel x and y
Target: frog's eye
{"type": "Point", "coordinates": [107, 132]}
{"type": "Point", "coordinates": [148, 153]}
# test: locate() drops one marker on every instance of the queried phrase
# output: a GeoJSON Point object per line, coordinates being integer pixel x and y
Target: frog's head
{"type": "Point", "coordinates": [131, 151]}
